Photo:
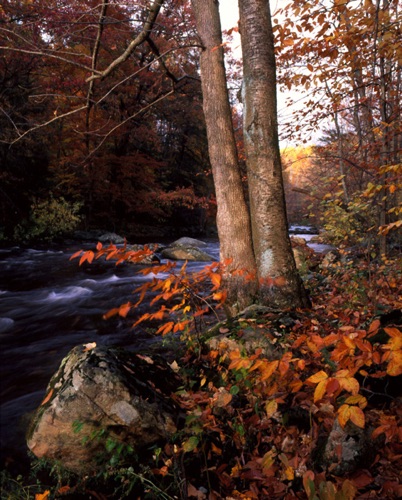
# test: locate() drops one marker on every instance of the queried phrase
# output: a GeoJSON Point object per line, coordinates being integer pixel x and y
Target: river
{"type": "Point", "coordinates": [48, 305]}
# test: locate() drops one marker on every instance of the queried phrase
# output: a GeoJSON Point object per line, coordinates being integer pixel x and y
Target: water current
{"type": "Point", "coordinates": [48, 305]}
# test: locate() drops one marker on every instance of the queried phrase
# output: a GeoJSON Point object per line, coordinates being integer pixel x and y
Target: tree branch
{"type": "Point", "coordinates": [138, 40]}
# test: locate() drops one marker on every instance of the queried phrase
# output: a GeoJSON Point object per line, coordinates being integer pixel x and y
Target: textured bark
{"type": "Point", "coordinates": [233, 220]}
{"type": "Point", "coordinates": [281, 285]}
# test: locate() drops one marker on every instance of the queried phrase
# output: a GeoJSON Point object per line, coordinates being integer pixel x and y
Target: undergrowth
{"type": "Point", "coordinates": [264, 392]}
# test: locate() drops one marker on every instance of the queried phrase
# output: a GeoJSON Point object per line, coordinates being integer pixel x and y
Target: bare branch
{"type": "Point", "coordinates": [95, 52]}
{"type": "Point", "coordinates": [44, 125]}
{"type": "Point", "coordinates": [138, 40]}
{"type": "Point", "coordinates": [47, 54]}
{"type": "Point", "coordinates": [128, 119]}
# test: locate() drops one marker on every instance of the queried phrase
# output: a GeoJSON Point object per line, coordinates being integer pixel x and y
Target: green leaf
{"type": "Point", "coordinates": [191, 444]}
{"type": "Point", "coordinates": [234, 390]}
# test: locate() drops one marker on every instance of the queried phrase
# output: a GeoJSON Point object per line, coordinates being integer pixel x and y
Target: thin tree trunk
{"type": "Point", "coordinates": [280, 283]}
{"type": "Point", "coordinates": [233, 220]}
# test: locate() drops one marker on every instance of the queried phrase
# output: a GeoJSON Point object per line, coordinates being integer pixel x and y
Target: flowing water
{"type": "Point", "coordinates": [48, 305]}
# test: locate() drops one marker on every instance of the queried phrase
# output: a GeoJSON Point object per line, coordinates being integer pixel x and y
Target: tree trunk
{"type": "Point", "coordinates": [280, 283]}
{"type": "Point", "coordinates": [233, 220]}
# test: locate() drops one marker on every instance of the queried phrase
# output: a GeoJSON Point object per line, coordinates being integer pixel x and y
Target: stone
{"type": "Point", "coordinates": [188, 242]}
{"type": "Point", "coordinates": [300, 259]}
{"type": "Point", "coordinates": [348, 449]}
{"type": "Point", "coordinates": [111, 238]}
{"type": "Point", "coordinates": [101, 395]}
{"type": "Point", "coordinates": [186, 253]}
{"type": "Point", "coordinates": [298, 241]}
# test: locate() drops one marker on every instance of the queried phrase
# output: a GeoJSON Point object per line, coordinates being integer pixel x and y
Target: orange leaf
{"type": "Point", "coordinates": [357, 416]}
{"type": "Point", "coordinates": [64, 489]}
{"type": "Point", "coordinates": [111, 313]}
{"type": "Point", "coordinates": [394, 367]}
{"type": "Point", "coordinates": [395, 342]}
{"type": "Point", "coordinates": [301, 364]}
{"type": "Point", "coordinates": [216, 279]}
{"type": "Point", "coordinates": [347, 382]}
{"type": "Point", "coordinates": [332, 386]}
{"type": "Point", "coordinates": [269, 370]}
{"type": "Point", "coordinates": [375, 325]}
{"type": "Point", "coordinates": [89, 256]}
{"type": "Point", "coordinates": [42, 496]}
{"type": "Point", "coordinates": [76, 254]}
{"type": "Point", "coordinates": [283, 366]}
{"type": "Point", "coordinates": [124, 309]}
{"type": "Point", "coordinates": [47, 398]}
{"type": "Point", "coordinates": [166, 328]}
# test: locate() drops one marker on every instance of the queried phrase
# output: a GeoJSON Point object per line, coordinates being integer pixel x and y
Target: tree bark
{"type": "Point", "coordinates": [233, 220]}
{"type": "Point", "coordinates": [280, 283]}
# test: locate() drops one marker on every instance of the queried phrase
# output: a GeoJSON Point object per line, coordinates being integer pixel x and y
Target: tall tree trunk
{"type": "Point", "coordinates": [280, 283]}
{"type": "Point", "coordinates": [233, 220]}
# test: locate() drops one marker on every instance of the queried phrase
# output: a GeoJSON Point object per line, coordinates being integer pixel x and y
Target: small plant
{"type": "Point", "coordinates": [49, 219]}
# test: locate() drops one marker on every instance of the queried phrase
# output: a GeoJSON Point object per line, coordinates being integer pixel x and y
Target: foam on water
{"type": "Point", "coordinates": [71, 292]}
{"type": "Point", "coordinates": [5, 324]}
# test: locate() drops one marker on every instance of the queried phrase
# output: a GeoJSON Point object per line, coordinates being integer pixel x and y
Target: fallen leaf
{"type": "Point", "coordinates": [47, 398]}
{"type": "Point", "coordinates": [89, 346]}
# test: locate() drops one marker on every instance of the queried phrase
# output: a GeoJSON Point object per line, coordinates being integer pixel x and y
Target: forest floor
{"type": "Point", "coordinates": [296, 404]}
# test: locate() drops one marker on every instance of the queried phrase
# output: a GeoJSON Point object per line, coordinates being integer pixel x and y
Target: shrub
{"type": "Point", "coordinates": [49, 219]}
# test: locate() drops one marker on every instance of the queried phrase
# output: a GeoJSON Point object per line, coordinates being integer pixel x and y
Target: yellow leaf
{"type": "Point", "coordinates": [271, 407]}
{"type": "Point", "coordinates": [349, 490]}
{"type": "Point", "coordinates": [344, 415]}
{"type": "Point", "coordinates": [289, 473]}
{"type": "Point", "coordinates": [348, 383]}
{"type": "Point", "coordinates": [317, 377]}
{"type": "Point", "coordinates": [268, 459]}
{"type": "Point", "coordinates": [320, 390]}
{"type": "Point", "coordinates": [357, 416]}
{"type": "Point", "coordinates": [359, 400]}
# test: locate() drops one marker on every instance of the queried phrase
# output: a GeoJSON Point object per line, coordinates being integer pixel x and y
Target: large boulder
{"type": "Point", "coordinates": [186, 249]}
{"type": "Point", "coordinates": [185, 241]}
{"type": "Point", "coordinates": [100, 398]}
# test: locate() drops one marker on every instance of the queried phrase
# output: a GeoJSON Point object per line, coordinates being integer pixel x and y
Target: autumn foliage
{"type": "Point", "coordinates": [264, 393]}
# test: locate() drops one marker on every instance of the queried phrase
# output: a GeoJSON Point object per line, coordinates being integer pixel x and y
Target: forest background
{"type": "Point", "coordinates": [129, 152]}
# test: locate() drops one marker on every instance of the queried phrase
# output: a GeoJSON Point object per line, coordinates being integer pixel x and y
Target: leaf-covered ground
{"type": "Point", "coordinates": [279, 405]}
